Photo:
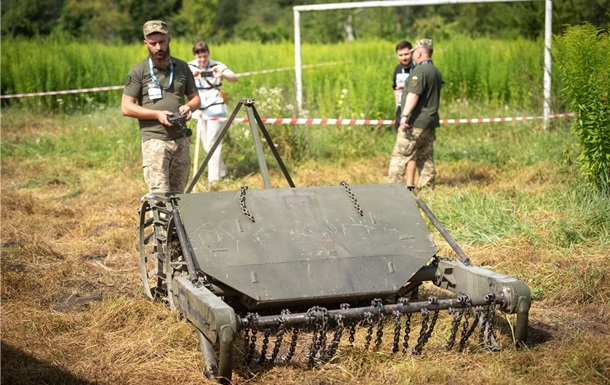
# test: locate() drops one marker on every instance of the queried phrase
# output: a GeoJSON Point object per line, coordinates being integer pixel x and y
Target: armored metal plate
{"type": "Point", "coordinates": [308, 243]}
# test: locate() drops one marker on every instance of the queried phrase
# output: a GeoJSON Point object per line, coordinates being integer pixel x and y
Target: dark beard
{"type": "Point", "coordinates": [160, 60]}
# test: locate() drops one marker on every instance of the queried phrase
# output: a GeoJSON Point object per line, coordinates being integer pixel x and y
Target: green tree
{"type": "Point", "coordinates": [571, 12]}
{"type": "Point", "coordinates": [30, 17]}
{"type": "Point", "coordinates": [195, 20]}
{"type": "Point", "coordinates": [581, 55]}
{"type": "Point", "coordinates": [271, 20]}
{"type": "Point", "coordinates": [98, 19]}
{"type": "Point", "coordinates": [263, 21]}
{"type": "Point", "coordinates": [225, 21]}
{"type": "Point", "coordinates": [142, 11]}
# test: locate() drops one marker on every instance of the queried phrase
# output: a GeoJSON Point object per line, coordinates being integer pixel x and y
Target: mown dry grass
{"type": "Point", "coordinates": [73, 311]}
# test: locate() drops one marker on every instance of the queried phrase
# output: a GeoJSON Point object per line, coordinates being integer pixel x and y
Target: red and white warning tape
{"type": "Point", "coordinates": [112, 88]}
{"type": "Point", "coordinates": [332, 63]}
{"type": "Point", "coordinates": [64, 92]}
{"type": "Point", "coordinates": [308, 121]}
{"type": "Point", "coordinates": [507, 119]}
{"type": "Point", "coordinates": [373, 122]}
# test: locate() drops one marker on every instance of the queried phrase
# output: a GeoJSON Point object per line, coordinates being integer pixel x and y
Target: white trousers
{"type": "Point", "coordinates": [208, 131]}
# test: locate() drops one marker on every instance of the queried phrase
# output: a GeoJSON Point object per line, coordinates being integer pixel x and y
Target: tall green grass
{"type": "Point", "coordinates": [492, 74]}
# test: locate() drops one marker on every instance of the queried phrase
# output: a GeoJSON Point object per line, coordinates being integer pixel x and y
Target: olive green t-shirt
{"type": "Point", "coordinates": [137, 84]}
{"type": "Point", "coordinates": [426, 81]}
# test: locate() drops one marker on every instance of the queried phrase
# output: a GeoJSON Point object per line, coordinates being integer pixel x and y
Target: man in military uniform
{"type": "Point", "coordinates": [414, 147]}
{"type": "Point", "coordinates": [155, 89]}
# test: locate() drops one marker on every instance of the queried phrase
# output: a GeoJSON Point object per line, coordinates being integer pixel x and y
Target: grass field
{"type": "Point", "coordinates": [72, 307]}
{"type": "Point", "coordinates": [490, 74]}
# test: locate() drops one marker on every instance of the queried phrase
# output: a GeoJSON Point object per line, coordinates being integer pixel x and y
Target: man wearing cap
{"type": "Point", "coordinates": [155, 88]}
{"type": "Point", "coordinates": [414, 147]}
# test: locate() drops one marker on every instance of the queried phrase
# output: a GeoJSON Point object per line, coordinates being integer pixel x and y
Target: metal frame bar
{"type": "Point", "coordinates": [253, 119]}
{"type": "Point", "coordinates": [548, 34]}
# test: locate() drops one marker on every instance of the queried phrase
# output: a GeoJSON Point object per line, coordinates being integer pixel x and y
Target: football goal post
{"type": "Point", "coordinates": [402, 3]}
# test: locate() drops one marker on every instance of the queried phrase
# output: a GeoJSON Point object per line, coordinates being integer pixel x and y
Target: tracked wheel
{"type": "Point", "coordinates": [154, 220]}
{"type": "Point", "coordinates": [175, 264]}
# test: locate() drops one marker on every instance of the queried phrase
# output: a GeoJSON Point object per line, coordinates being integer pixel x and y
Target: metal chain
{"type": "Point", "coordinates": [293, 344]}
{"type": "Point", "coordinates": [352, 326]}
{"type": "Point", "coordinates": [430, 328]}
{"type": "Point", "coordinates": [478, 315]}
{"type": "Point", "coordinates": [247, 353]}
{"type": "Point", "coordinates": [425, 313]}
{"type": "Point", "coordinates": [405, 344]}
{"type": "Point", "coordinates": [468, 333]}
{"type": "Point", "coordinates": [337, 337]}
{"type": "Point", "coordinates": [490, 323]}
{"type": "Point", "coordinates": [250, 345]}
{"type": "Point", "coordinates": [368, 319]}
{"type": "Point", "coordinates": [352, 197]}
{"type": "Point", "coordinates": [482, 326]}
{"type": "Point", "coordinates": [428, 332]}
{"type": "Point", "coordinates": [279, 338]}
{"type": "Point", "coordinates": [242, 203]}
{"type": "Point", "coordinates": [378, 304]}
{"type": "Point", "coordinates": [465, 299]}
{"type": "Point", "coordinates": [263, 356]}
{"type": "Point", "coordinates": [323, 331]}
{"type": "Point", "coordinates": [456, 318]}
{"type": "Point", "coordinates": [313, 350]}
{"type": "Point", "coordinates": [352, 333]}
{"type": "Point", "coordinates": [403, 301]}
{"type": "Point", "coordinates": [483, 322]}
{"type": "Point", "coordinates": [396, 315]}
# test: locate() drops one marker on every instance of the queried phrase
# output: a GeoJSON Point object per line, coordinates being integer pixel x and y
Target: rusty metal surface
{"type": "Point", "coordinates": [298, 245]}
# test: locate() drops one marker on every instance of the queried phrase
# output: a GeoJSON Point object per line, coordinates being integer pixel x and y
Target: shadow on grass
{"type": "Point", "coordinates": [20, 368]}
{"type": "Point", "coordinates": [538, 333]}
{"type": "Point", "coordinates": [472, 176]}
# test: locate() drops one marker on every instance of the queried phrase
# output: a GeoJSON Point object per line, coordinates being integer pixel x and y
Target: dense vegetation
{"type": "Point", "coordinates": [583, 60]}
{"type": "Point", "coordinates": [272, 20]}
{"type": "Point", "coordinates": [355, 83]}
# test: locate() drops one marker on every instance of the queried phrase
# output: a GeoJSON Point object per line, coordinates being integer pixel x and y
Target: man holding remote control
{"type": "Point", "coordinates": [154, 93]}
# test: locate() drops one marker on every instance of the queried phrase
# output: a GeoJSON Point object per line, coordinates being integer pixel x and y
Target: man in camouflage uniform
{"type": "Point", "coordinates": [414, 147]}
{"type": "Point", "coordinates": [155, 88]}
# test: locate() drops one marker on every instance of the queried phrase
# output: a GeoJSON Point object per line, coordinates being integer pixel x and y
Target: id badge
{"type": "Point", "coordinates": [154, 91]}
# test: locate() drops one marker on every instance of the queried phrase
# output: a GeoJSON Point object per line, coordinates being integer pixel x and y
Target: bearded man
{"type": "Point", "coordinates": [155, 89]}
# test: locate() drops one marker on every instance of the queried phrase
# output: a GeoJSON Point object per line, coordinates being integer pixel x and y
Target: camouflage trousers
{"type": "Point", "coordinates": [166, 164]}
{"type": "Point", "coordinates": [418, 143]}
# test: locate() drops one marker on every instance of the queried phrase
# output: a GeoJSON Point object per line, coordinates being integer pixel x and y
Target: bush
{"type": "Point", "coordinates": [581, 55]}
